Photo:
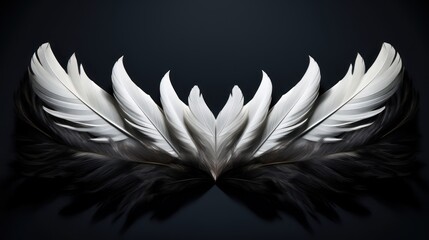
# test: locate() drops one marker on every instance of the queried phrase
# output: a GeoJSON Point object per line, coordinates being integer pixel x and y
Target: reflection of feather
{"type": "Point", "coordinates": [304, 147]}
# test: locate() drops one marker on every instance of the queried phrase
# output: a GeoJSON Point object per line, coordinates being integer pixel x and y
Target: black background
{"type": "Point", "coordinates": [214, 44]}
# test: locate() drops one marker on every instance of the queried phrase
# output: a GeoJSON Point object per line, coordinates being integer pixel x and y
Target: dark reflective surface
{"type": "Point", "coordinates": [395, 193]}
{"type": "Point", "coordinates": [37, 192]}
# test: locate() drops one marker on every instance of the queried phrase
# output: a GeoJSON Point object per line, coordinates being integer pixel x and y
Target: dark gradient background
{"type": "Point", "coordinates": [215, 44]}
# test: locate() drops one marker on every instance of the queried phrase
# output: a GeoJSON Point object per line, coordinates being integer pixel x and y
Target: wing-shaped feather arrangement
{"type": "Point", "coordinates": [304, 144]}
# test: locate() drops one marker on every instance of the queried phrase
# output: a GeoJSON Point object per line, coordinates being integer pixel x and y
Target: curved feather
{"type": "Point", "coordinates": [257, 110]}
{"type": "Point", "coordinates": [229, 124]}
{"type": "Point", "coordinates": [291, 111]}
{"type": "Point", "coordinates": [356, 98]}
{"type": "Point", "coordinates": [201, 124]}
{"type": "Point", "coordinates": [74, 98]}
{"type": "Point", "coordinates": [141, 112]}
{"type": "Point", "coordinates": [174, 111]}
{"type": "Point", "coordinates": [205, 120]}
{"type": "Point", "coordinates": [215, 136]}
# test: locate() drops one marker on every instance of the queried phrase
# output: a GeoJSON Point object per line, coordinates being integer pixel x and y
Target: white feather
{"type": "Point", "coordinates": [73, 97]}
{"type": "Point", "coordinates": [174, 111]}
{"type": "Point", "coordinates": [201, 112]}
{"type": "Point", "coordinates": [229, 123]}
{"type": "Point", "coordinates": [216, 135]}
{"type": "Point", "coordinates": [358, 96]}
{"type": "Point", "coordinates": [219, 129]}
{"type": "Point", "coordinates": [291, 111]}
{"type": "Point", "coordinates": [201, 122]}
{"type": "Point", "coordinates": [141, 112]}
{"type": "Point", "coordinates": [256, 110]}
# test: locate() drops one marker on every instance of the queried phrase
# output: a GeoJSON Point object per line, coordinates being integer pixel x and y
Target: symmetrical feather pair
{"type": "Point", "coordinates": [303, 142]}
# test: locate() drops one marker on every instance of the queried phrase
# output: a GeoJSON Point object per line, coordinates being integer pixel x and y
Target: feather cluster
{"type": "Point", "coordinates": [303, 141]}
